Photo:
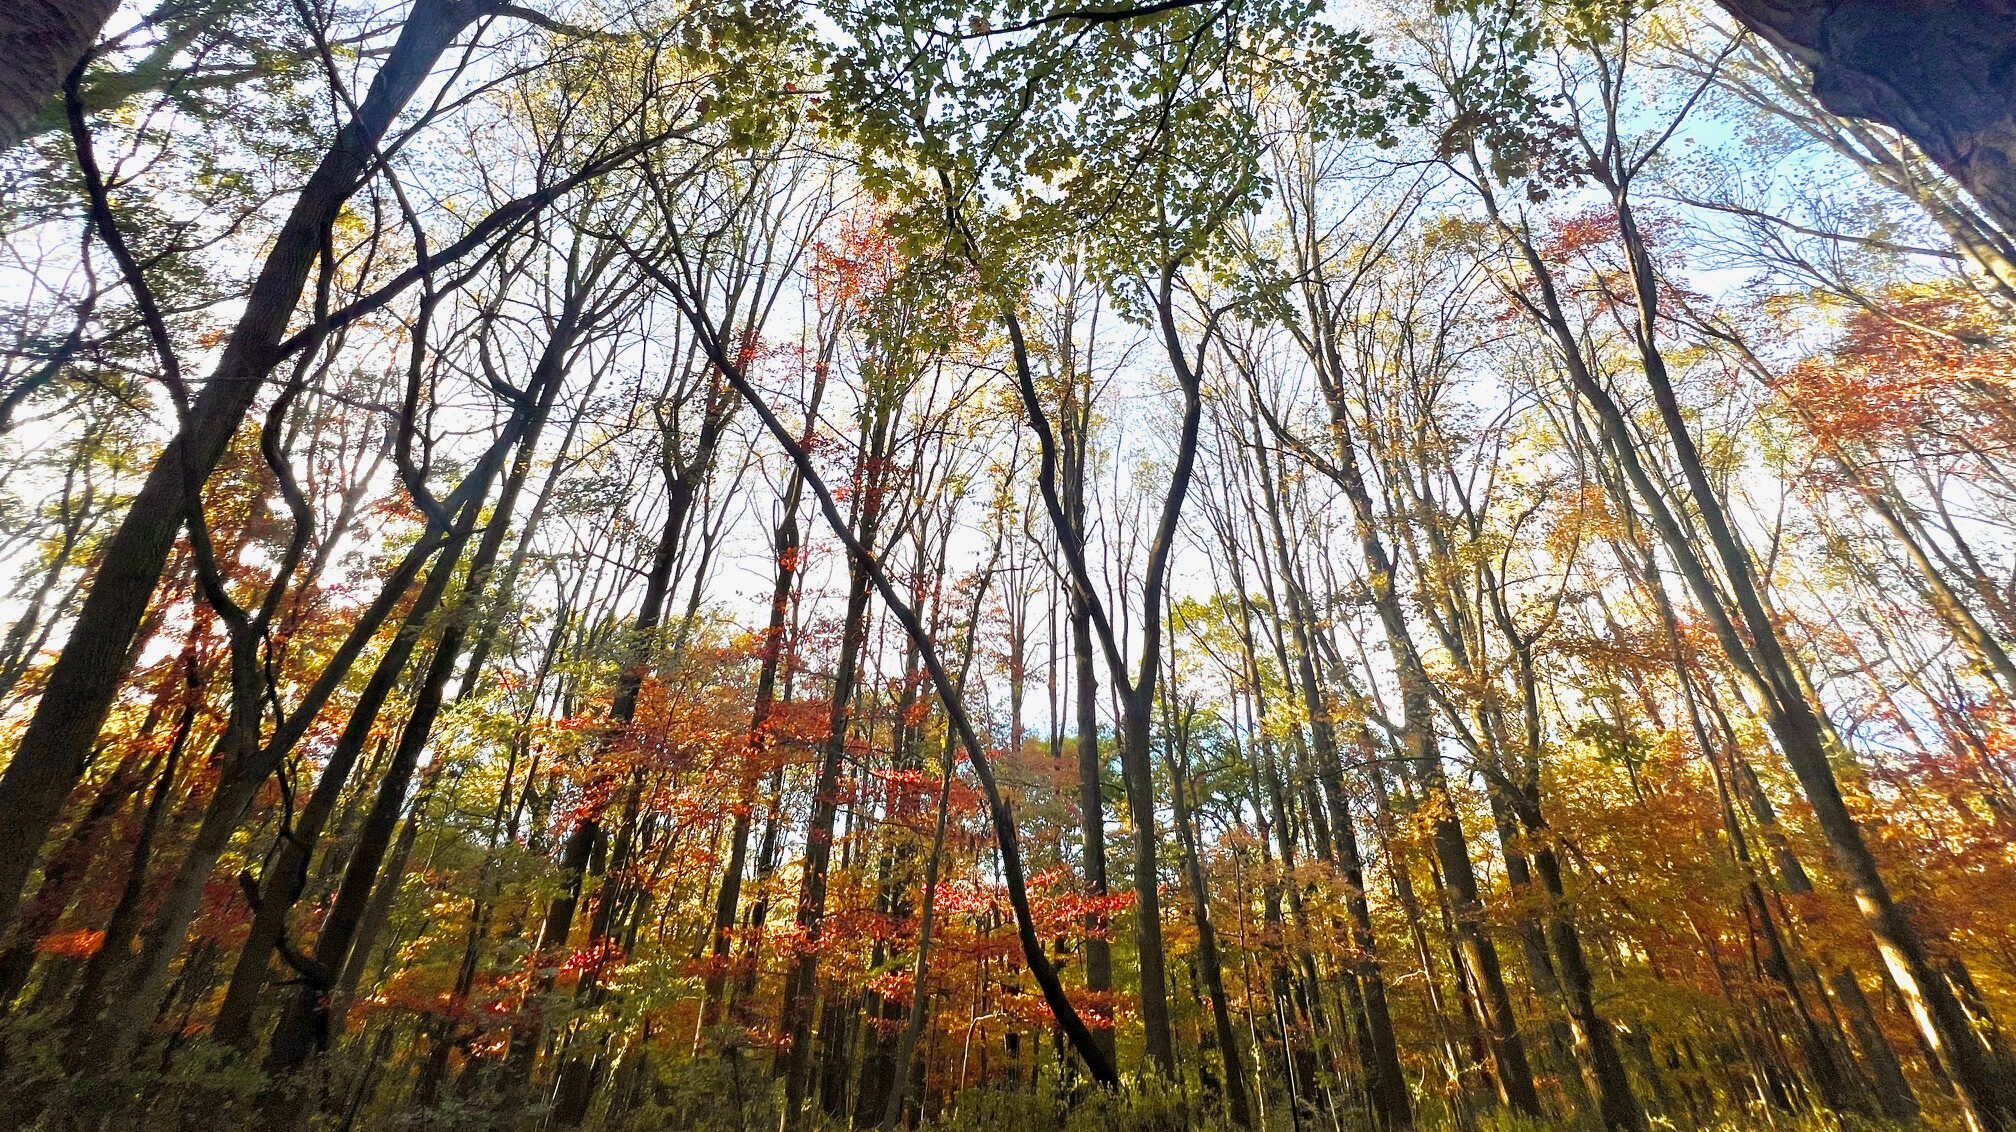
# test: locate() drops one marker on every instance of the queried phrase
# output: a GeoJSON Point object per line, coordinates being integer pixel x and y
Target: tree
{"type": "Point", "coordinates": [1929, 69]}
{"type": "Point", "coordinates": [47, 40]}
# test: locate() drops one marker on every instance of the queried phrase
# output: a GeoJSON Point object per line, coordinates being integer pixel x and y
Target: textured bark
{"type": "Point", "coordinates": [56, 747]}
{"type": "Point", "coordinates": [42, 41]}
{"type": "Point", "coordinates": [1941, 72]}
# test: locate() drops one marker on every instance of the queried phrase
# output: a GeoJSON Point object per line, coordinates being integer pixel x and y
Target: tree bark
{"type": "Point", "coordinates": [56, 746]}
{"type": "Point", "coordinates": [42, 41]}
{"type": "Point", "coordinates": [1942, 72]}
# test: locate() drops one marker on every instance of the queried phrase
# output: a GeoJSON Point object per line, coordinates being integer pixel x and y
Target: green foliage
{"type": "Point", "coordinates": [728, 1093]}
{"type": "Point", "coordinates": [1144, 1105]}
{"type": "Point", "coordinates": [205, 1086]}
{"type": "Point", "coordinates": [1135, 142]}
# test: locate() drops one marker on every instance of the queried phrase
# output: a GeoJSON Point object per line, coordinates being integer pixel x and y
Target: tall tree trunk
{"type": "Point", "coordinates": [1137, 694]}
{"type": "Point", "coordinates": [1000, 816]}
{"type": "Point", "coordinates": [244, 772]}
{"type": "Point", "coordinates": [788, 548]}
{"type": "Point", "coordinates": [113, 952]}
{"type": "Point", "coordinates": [554, 927]}
{"type": "Point", "coordinates": [1595, 1040]}
{"type": "Point", "coordinates": [1208, 959]}
{"type": "Point", "coordinates": [1074, 444]}
{"type": "Point", "coordinates": [908, 1083]}
{"type": "Point", "coordinates": [572, 1090]}
{"type": "Point", "coordinates": [1938, 71]}
{"type": "Point", "coordinates": [284, 878]}
{"type": "Point", "coordinates": [56, 747]}
{"type": "Point", "coordinates": [1138, 775]}
{"type": "Point", "coordinates": [303, 1026]}
{"type": "Point", "coordinates": [42, 41]}
{"type": "Point", "coordinates": [802, 985]}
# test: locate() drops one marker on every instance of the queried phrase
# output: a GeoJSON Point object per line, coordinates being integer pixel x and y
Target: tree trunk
{"type": "Point", "coordinates": [282, 882]}
{"type": "Point", "coordinates": [904, 1090]}
{"type": "Point", "coordinates": [1894, 1095]}
{"type": "Point", "coordinates": [1207, 954]}
{"type": "Point", "coordinates": [42, 41]}
{"type": "Point", "coordinates": [113, 952]}
{"type": "Point", "coordinates": [1939, 71]}
{"type": "Point", "coordinates": [1092, 822]}
{"type": "Point", "coordinates": [1452, 850]}
{"type": "Point", "coordinates": [788, 550]}
{"type": "Point", "coordinates": [1000, 816]}
{"type": "Point", "coordinates": [1136, 735]}
{"type": "Point", "coordinates": [57, 744]}
{"type": "Point", "coordinates": [1595, 1041]}
{"type": "Point", "coordinates": [802, 987]}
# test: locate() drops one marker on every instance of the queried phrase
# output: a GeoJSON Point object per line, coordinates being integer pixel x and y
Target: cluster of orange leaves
{"type": "Point", "coordinates": [1886, 376]}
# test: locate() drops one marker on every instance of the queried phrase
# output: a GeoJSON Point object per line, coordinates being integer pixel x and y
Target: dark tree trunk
{"type": "Point", "coordinates": [1941, 72]}
{"type": "Point", "coordinates": [802, 988]}
{"type": "Point", "coordinates": [57, 744]}
{"type": "Point", "coordinates": [42, 41]}
{"type": "Point", "coordinates": [1092, 820]}
{"type": "Point", "coordinates": [1208, 960]}
{"type": "Point", "coordinates": [107, 962]}
{"type": "Point", "coordinates": [1073, 445]}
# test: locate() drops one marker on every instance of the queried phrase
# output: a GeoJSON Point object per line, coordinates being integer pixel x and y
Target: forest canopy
{"type": "Point", "coordinates": [1207, 564]}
